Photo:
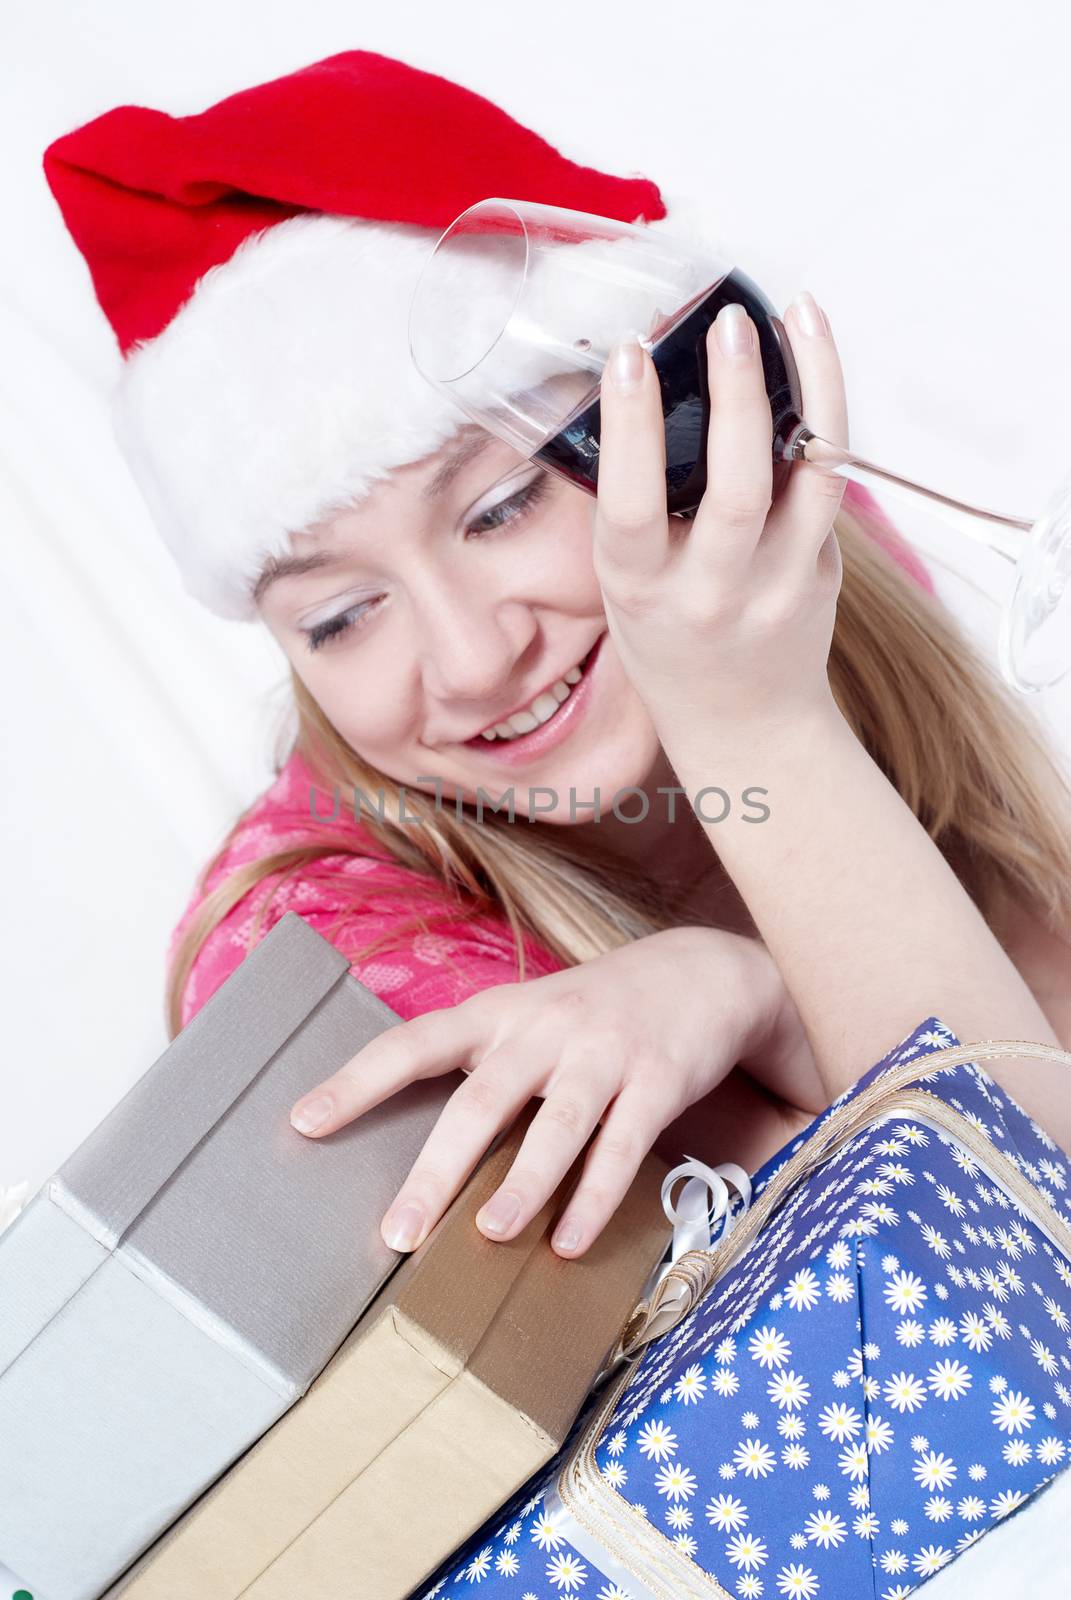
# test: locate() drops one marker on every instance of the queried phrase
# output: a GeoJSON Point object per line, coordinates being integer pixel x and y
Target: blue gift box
{"type": "Point", "coordinates": [879, 1373]}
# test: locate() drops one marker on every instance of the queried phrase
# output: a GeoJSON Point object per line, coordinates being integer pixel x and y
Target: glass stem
{"type": "Point", "coordinates": [1000, 533]}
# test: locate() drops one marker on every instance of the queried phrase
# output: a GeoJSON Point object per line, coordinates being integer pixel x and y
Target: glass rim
{"type": "Point", "coordinates": [478, 205]}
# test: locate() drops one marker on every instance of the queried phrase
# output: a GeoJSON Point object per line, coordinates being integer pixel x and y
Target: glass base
{"type": "Point", "coordinates": [1035, 633]}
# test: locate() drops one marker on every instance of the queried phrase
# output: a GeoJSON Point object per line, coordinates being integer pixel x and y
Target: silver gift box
{"type": "Point", "coordinates": [192, 1267]}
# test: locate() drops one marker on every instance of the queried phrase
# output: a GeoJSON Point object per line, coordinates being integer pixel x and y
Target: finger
{"type": "Point", "coordinates": [424, 1047]}
{"type": "Point", "coordinates": [489, 1100]}
{"type": "Point", "coordinates": [734, 507]}
{"type": "Point", "coordinates": [631, 521]}
{"type": "Point", "coordinates": [804, 512]}
{"type": "Point", "coordinates": [629, 1130]}
{"type": "Point", "coordinates": [559, 1131]}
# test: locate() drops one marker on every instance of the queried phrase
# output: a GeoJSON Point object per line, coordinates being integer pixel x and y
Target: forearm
{"type": "Point", "coordinates": [868, 924]}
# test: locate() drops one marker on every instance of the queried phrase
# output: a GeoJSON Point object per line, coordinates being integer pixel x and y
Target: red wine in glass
{"type": "Point", "coordinates": [680, 359]}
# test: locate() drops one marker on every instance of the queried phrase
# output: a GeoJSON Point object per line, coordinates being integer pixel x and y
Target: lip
{"type": "Point", "coordinates": [478, 735]}
{"type": "Point", "coordinates": [527, 746]}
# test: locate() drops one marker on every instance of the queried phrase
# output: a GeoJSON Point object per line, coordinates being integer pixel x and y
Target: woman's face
{"type": "Point", "coordinates": [458, 592]}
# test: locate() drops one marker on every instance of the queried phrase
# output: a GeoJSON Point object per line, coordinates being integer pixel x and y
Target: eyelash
{"type": "Point", "coordinates": [505, 513]}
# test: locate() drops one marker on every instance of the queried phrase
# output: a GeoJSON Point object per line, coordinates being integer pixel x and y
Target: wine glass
{"type": "Point", "coordinates": [514, 316]}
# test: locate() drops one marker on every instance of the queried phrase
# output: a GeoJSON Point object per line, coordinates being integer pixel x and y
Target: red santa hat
{"type": "Point", "coordinates": [257, 262]}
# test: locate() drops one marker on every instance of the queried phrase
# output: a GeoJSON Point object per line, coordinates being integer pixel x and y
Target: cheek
{"type": "Point", "coordinates": [567, 557]}
{"type": "Point", "coordinates": [361, 697]}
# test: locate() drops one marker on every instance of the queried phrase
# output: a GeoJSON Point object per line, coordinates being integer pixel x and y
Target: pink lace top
{"type": "Point", "coordinates": [340, 896]}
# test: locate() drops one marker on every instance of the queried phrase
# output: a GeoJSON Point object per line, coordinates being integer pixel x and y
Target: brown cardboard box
{"type": "Point", "coordinates": [461, 1380]}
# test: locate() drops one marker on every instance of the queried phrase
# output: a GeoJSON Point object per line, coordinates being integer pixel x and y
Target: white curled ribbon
{"type": "Point", "coordinates": [702, 1203]}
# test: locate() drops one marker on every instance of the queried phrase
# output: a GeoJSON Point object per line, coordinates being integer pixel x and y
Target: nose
{"type": "Point", "coordinates": [472, 646]}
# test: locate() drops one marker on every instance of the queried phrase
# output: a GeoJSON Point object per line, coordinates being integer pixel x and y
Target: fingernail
{"type": "Point", "coordinates": [308, 1115]}
{"type": "Point", "coordinates": [812, 319]}
{"type": "Point", "coordinates": [567, 1236]}
{"type": "Point", "coordinates": [403, 1229]}
{"type": "Point", "coordinates": [626, 364]}
{"type": "Point", "coordinates": [733, 329]}
{"type": "Point", "coordinates": [500, 1212]}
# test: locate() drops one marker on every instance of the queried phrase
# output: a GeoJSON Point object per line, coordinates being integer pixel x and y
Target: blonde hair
{"type": "Point", "coordinates": [961, 748]}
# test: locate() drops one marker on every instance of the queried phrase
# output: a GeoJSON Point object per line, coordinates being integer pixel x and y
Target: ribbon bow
{"type": "Point", "coordinates": [702, 1202]}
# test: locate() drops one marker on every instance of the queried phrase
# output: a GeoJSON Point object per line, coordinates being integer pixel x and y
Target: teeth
{"type": "Point", "coordinates": [541, 709]}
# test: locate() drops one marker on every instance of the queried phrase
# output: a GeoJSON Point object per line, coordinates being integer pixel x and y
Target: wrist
{"type": "Point", "coordinates": [749, 975]}
{"type": "Point", "coordinates": [776, 1051]}
{"type": "Point", "coordinates": [746, 975]}
{"type": "Point", "coordinates": [764, 1002]}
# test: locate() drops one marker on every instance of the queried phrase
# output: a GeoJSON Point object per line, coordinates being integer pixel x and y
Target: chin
{"type": "Point", "coordinates": [620, 763]}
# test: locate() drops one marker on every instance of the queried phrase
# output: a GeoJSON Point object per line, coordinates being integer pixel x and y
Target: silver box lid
{"type": "Point", "coordinates": [195, 1190]}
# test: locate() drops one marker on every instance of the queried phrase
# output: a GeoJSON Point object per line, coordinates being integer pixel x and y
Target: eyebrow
{"type": "Point", "coordinates": [293, 566]}
{"type": "Point", "coordinates": [477, 442]}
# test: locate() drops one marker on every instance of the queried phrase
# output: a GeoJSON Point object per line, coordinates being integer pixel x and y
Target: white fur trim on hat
{"type": "Point", "coordinates": [281, 392]}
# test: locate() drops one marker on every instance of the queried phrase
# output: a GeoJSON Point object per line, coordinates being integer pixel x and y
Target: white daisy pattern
{"type": "Point", "coordinates": [726, 1513]}
{"type": "Point", "coordinates": [691, 1386]}
{"type": "Point", "coordinates": [881, 1379]}
{"type": "Point", "coordinates": [949, 1380]}
{"type": "Point", "coordinates": [656, 1441]}
{"type": "Point", "coordinates": [746, 1550]}
{"type": "Point", "coordinates": [789, 1390]}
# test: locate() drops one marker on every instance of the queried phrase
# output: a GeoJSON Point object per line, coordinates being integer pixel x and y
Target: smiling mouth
{"type": "Point", "coordinates": [539, 711]}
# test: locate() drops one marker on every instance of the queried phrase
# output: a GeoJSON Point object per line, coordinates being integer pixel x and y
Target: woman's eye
{"type": "Point", "coordinates": [511, 510]}
{"type": "Point", "coordinates": [497, 516]}
{"type": "Point", "coordinates": [333, 627]}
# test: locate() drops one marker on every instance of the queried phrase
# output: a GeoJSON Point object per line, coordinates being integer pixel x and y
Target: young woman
{"type": "Point", "coordinates": [720, 633]}
{"type": "Point", "coordinates": [845, 822]}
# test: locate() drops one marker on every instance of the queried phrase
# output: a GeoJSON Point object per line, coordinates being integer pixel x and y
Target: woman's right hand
{"type": "Point", "coordinates": [628, 1040]}
{"type": "Point", "coordinates": [723, 624]}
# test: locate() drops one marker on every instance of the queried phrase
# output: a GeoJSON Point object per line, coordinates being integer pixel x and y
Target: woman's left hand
{"type": "Point", "coordinates": [723, 622]}
{"type": "Point", "coordinates": [622, 1043]}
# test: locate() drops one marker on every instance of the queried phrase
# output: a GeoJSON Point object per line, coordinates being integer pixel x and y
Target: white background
{"type": "Point", "coordinates": [906, 163]}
